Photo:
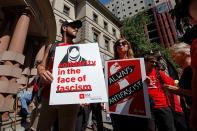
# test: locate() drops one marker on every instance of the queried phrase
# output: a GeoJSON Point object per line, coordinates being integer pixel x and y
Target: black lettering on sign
{"type": "Point", "coordinates": [119, 75]}
{"type": "Point", "coordinates": [124, 93]}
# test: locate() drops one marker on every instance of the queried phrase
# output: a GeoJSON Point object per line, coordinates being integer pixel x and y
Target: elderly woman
{"type": "Point", "coordinates": [181, 55]}
{"type": "Point", "coordinates": [123, 50]}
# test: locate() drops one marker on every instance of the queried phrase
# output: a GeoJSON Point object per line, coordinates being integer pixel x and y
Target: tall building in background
{"type": "Point", "coordinates": [162, 28]}
{"type": "Point", "coordinates": [98, 23]}
{"type": "Point", "coordinates": [128, 8]}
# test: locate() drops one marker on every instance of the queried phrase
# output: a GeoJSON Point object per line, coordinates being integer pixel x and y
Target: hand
{"type": "Point", "coordinates": [170, 88]}
{"type": "Point", "coordinates": [103, 107]}
{"type": "Point", "coordinates": [46, 76]}
{"type": "Point", "coordinates": [22, 88]}
{"type": "Point", "coordinates": [84, 104]}
{"type": "Point", "coordinates": [148, 80]}
{"type": "Point", "coordinates": [193, 119]}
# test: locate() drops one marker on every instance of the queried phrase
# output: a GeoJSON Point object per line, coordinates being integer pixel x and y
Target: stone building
{"type": "Point", "coordinates": [25, 26]}
{"type": "Point", "coordinates": [98, 23]}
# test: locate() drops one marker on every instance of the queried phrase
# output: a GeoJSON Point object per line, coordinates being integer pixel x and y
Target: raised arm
{"type": "Point", "coordinates": [45, 75]}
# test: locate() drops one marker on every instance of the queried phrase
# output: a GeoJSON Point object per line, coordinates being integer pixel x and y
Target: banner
{"type": "Point", "coordinates": [78, 75]}
{"type": "Point", "coordinates": [127, 91]}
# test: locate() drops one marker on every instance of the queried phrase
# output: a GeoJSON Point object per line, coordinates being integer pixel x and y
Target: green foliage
{"type": "Point", "coordinates": [133, 30]}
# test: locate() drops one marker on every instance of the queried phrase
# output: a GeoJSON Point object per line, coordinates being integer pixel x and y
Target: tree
{"type": "Point", "coordinates": [133, 30]}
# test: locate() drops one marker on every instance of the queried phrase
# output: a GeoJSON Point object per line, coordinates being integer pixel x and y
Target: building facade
{"type": "Point", "coordinates": [28, 26]}
{"type": "Point", "coordinates": [162, 28]}
{"type": "Point", "coordinates": [98, 23]}
{"type": "Point", "coordinates": [25, 27]}
{"type": "Point", "coordinates": [128, 8]}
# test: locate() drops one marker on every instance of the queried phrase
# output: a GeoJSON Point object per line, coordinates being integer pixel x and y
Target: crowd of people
{"type": "Point", "coordinates": [173, 105]}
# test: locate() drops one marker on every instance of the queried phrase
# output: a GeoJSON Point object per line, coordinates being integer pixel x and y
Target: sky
{"type": "Point", "coordinates": [104, 1]}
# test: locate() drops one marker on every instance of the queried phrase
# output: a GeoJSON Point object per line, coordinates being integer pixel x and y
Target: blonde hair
{"type": "Point", "coordinates": [180, 47]}
{"type": "Point", "coordinates": [130, 53]}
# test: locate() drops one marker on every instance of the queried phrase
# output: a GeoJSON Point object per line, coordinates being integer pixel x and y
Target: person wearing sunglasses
{"type": "Point", "coordinates": [123, 50]}
{"type": "Point", "coordinates": [161, 113]}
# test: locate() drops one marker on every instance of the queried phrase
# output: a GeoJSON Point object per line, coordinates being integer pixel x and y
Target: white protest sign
{"type": "Point", "coordinates": [78, 75]}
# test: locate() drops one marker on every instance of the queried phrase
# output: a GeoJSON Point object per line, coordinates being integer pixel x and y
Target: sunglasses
{"type": "Point", "coordinates": [119, 43]}
{"type": "Point", "coordinates": [153, 62]}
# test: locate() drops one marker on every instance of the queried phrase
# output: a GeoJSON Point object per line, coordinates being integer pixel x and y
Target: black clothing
{"type": "Point", "coordinates": [185, 83]}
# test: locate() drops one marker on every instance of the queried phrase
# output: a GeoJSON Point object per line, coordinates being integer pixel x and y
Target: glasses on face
{"type": "Point", "coordinates": [119, 43]}
{"type": "Point", "coordinates": [153, 62]}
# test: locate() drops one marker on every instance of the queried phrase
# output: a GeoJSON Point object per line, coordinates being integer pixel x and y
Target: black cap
{"type": "Point", "coordinates": [76, 23]}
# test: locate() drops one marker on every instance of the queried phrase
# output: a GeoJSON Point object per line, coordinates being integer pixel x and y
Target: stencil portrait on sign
{"type": "Point", "coordinates": [78, 75]}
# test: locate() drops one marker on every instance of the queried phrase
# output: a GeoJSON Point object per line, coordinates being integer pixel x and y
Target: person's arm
{"type": "Point", "coordinates": [177, 90]}
{"type": "Point", "coordinates": [43, 73]}
{"type": "Point", "coordinates": [193, 114]}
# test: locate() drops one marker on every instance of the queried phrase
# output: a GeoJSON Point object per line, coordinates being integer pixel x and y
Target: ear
{"type": "Point", "coordinates": [64, 28]}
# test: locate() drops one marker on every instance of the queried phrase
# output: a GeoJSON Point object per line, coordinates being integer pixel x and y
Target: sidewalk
{"type": "Point", "coordinates": [107, 124]}
{"type": "Point", "coordinates": [9, 125]}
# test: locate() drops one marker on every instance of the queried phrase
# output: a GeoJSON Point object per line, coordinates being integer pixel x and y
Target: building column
{"type": "Point", "coordinates": [10, 71]}
{"type": "Point", "coordinates": [18, 39]}
{"type": "Point", "coordinates": [159, 31]}
{"type": "Point", "coordinates": [146, 32]}
{"type": "Point", "coordinates": [172, 27]}
{"type": "Point", "coordinates": [168, 29]}
{"type": "Point", "coordinates": [5, 37]}
{"type": "Point", "coordinates": [163, 30]}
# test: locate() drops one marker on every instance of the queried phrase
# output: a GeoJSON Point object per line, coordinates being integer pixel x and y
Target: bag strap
{"type": "Point", "coordinates": [171, 97]}
{"type": "Point", "coordinates": [159, 77]}
{"type": "Point", "coordinates": [51, 50]}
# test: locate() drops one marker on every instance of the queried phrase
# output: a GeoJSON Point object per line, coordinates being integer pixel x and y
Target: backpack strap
{"type": "Point", "coordinates": [170, 96]}
{"type": "Point", "coordinates": [51, 50]}
{"type": "Point", "coordinates": [159, 77]}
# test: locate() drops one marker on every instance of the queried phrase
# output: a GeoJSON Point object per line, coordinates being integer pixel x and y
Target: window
{"type": "Point", "coordinates": [135, 4]}
{"type": "Point", "coordinates": [95, 37]}
{"type": "Point", "coordinates": [130, 13]}
{"type": "Point", "coordinates": [136, 10]}
{"type": "Point", "coordinates": [128, 2]}
{"type": "Point", "coordinates": [118, 12]}
{"type": "Point", "coordinates": [129, 7]}
{"type": "Point", "coordinates": [149, 4]}
{"type": "Point", "coordinates": [157, 1]}
{"type": "Point", "coordinates": [66, 10]}
{"type": "Point", "coordinates": [141, 1]}
{"type": "Point", "coordinates": [118, 7]}
{"type": "Point", "coordinates": [95, 18]}
{"type": "Point", "coordinates": [105, 25]}
{"type": "Point", "coordinates": [112, 4]}
{"type": "Point", "coordinates": [106, 44]}
{"type": "Point", "coordinates": [114, 31]}
{"type": "Point", "coordinates": [143, 7]}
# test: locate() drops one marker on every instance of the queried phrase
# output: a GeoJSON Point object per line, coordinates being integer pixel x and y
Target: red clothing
{"type": "Point", "coordinates": [155, 89]}
{"type": "Point", "coordinates": [193, 52]}
{"type": "Point", "coordinates": [46, 93]}
{"type": "Point", "coordinates": [158, 94]}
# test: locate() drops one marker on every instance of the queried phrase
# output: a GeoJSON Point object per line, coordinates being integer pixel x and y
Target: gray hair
{"type": "Point", "coordinates": [181, 47]}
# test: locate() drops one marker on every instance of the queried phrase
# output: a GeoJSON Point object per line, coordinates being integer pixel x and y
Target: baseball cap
{"type": "Point", "coordinates": [76, 23]}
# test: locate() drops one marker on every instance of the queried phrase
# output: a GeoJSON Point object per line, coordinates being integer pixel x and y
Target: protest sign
{"type": "Point", "coordinates": [127, 91]}
{"type": "Point", "coordinates": [78, 75]}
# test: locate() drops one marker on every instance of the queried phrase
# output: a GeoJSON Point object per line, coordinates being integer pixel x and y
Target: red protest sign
{"type": "Point", "coordinates": [127, 93]}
